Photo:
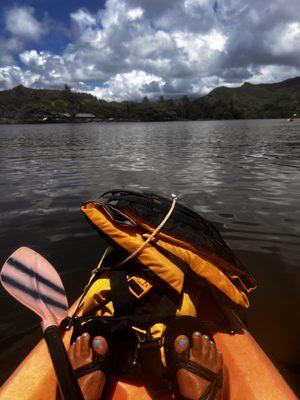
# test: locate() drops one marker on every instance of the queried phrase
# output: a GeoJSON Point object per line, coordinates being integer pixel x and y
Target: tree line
{"type": "Point", "coordinates": [279, 100]}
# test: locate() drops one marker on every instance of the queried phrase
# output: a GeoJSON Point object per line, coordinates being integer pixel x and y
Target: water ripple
{"type": "Point", "coordinates": [243, 175]}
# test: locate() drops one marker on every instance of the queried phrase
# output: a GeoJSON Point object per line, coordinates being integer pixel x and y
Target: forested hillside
{"type": "Point", "coordinates": [278, 100]}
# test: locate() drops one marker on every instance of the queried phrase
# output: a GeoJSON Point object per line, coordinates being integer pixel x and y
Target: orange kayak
{"type": "Point", "coordinates": [250, 373]}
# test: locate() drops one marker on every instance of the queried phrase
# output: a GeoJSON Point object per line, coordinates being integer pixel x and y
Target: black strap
{"type": "Point", "coordinates": [186, 325]}
{"type": "Point", "coordinates": [216, 379]}
{"type": "Point", "coordinates": [70, 320]}
{"type": "Point", "coordinates": [199, 370]}
{"type": "Point", "coordinates": [210, 392]}
{"type": "Point", "coordinates": [156, 382]}
{"type": "Point", "coordinates": [121, 297]}
{"type": "Point", "coordinates": [146, 312]}
{"type": "Point", "coordinates": [98, 364]}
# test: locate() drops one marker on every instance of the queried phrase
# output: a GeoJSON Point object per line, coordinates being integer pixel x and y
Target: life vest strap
{"type": "Point", "coordinates": [122, 300]}
{"type": "Point", "coordinates": [156, 381]}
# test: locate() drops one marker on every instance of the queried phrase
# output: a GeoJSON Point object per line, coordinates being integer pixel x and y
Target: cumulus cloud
{"type": "Point", "coordinates": [49, 69]}
{"type": "Point", "coordinates": [8, 47]}
{"type": "Point", "coordinates": [21, 23]}
{"type": "Point", "coordinates": [11, 76]}
{"type": "Point", "coordinates": [171, 47]}
{"type": "Point", "coordinates": [130, 85]}
{"type": "Point", "coordinates": [21, 28]}
{"type": "Point", "coordinates": [286, 41]}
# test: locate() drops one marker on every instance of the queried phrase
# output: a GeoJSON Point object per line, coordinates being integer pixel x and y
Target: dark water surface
{"type": "Point", "coordinates": [242, 175]}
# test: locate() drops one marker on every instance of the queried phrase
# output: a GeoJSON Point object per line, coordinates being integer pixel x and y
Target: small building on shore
{"type": "Point", "coordinates": [85, 116]}
{"type": "Point", "coordinates": [65, 115]}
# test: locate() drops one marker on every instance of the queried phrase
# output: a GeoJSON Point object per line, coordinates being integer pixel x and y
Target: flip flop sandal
{"type": "Point", "coordinates": [122, 347]}
{"type": "Point", "coordinates": [99, 363]}
{"type": "Point", "coordinates": [187, 326]}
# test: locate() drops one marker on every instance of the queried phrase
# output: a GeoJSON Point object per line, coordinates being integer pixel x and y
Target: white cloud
{"type": "Point", "coordinates": [8, 47]}
{"type": "Point", "coordinates": [32, 58]}
{"type": "Point", "coordinates": [274, 73]}
{"type": "Point", "coordinates": [21, 29]}
{"type": "Point", "coordinates": [21, 23]}
{"type": "Point", "coordinates": [127, 86]}
{"type": "Point", "coordinates": [285, 39]}
{"type": "Point", "coordinates": [193, 5]}
{"type": "Point", "coordinates": [216, 40]}
{"type": "Point", "coordinates": [83, 18]}
{"type": "Point", "coordinates": [134, 13]}
{"type": "Point", "coordinates": [49, 69]}
{"type": "Point", "coordinates": [152, 46]}
{"type": "Point", "coordinates": [12, 76]}
{"type": "Point", "coordinates": [137, 48]}
{"type": "Point", "coordinates": [199, 46]}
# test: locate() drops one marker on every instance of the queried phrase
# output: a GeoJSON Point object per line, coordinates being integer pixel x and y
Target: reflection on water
{"type": "Point", "coordinates": [243, 175]}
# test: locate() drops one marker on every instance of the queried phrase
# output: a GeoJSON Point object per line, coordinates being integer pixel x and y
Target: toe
{"type": "Point", "coordinates": [205, 346]}
{"type": "Point", "coordinates": [100, 345]}
{"type": "Point", "coordinates": [212, 353]}
{"type": "Point", "coordinates": [71, 353]}
{"type": "Point", "coordinates": [219, 360]}
{"type": "Point", "coordinates": [77, 347]}
{"type": "Point", "coordinates": [85, 343]}
{"type": "Point", "coordinates": [197, 344]}
{"type": "Point", "coordinates": [181, 344]}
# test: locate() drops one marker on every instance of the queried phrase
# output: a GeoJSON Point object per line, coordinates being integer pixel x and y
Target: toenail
{"type": "Point", "coordinates": [197, 333]}
{"type": "Point", "coordinates": [78, 338]}
{"type": "Point", "coordinates": [182, 342]}
{"type": "Point", "coordinates": [211, 342]}
{"type": "Point", "coordinates": [205, 337]}
{"type": "Point", "coordinates": [97, 342]}
{"type": "Point", "coordinates": [85, 334]}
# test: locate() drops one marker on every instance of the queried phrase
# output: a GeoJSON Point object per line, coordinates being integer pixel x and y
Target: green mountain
{"type": "Point", "coordinates": [21, 103]}
{"type": "Point", "coordinates": [277, 100]}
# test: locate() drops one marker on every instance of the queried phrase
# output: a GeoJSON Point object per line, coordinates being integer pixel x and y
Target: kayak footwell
{"type": "Point", "coordinates": [250, 373]}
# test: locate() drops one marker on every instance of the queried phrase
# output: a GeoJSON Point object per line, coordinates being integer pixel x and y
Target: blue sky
{"type": "Point", "coordinates": [117, 49]}
{"type": "Point", "coordinates": [56, 12]}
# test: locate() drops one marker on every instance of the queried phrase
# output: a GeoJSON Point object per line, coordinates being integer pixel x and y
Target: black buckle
{"type": "Point", "coordinates": [149, 355]}
{"type": "Point", "coordinates": [138, 286]}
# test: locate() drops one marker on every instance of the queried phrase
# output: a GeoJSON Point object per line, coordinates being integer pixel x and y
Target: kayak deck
{"type": "Point", "coordinates": [248, 369]}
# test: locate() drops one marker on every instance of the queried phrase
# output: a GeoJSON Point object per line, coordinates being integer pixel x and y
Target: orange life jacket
{"type": "Point", "coordinates": [161, 255]}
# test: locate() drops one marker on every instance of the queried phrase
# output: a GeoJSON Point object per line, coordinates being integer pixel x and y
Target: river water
{"type": "Point", "coordinates": [242, 175]}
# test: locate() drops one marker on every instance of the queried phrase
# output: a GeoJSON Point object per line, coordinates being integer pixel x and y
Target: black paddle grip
{"type": "Point", "coordinates": [68, 384]}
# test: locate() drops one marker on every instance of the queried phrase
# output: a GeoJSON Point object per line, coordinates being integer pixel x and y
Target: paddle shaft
{"type": "Point", "coordinates": [68, 385]}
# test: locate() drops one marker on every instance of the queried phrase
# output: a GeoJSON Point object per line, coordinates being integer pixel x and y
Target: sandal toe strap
{"type": "Point", "coordinates": [97, 365]}
{"type": "Point", "coordinates": [215, 379]}
{"type": "Point", "coordinates": [210, 392]}
{"type": "Point", "coordinates": [203, 372]}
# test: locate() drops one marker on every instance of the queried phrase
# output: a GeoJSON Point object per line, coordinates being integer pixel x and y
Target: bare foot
{"type": "Point", "coordinates": [202, 352]}
{"type": "Point", "coordinates": [81, 354]}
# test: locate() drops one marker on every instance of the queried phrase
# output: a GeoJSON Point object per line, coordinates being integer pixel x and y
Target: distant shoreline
{"type": "Point", "coordinates": [16, 122]}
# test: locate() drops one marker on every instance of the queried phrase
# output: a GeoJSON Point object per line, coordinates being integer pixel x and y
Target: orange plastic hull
{"type": "Point", "coordinates": [251, 374]}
